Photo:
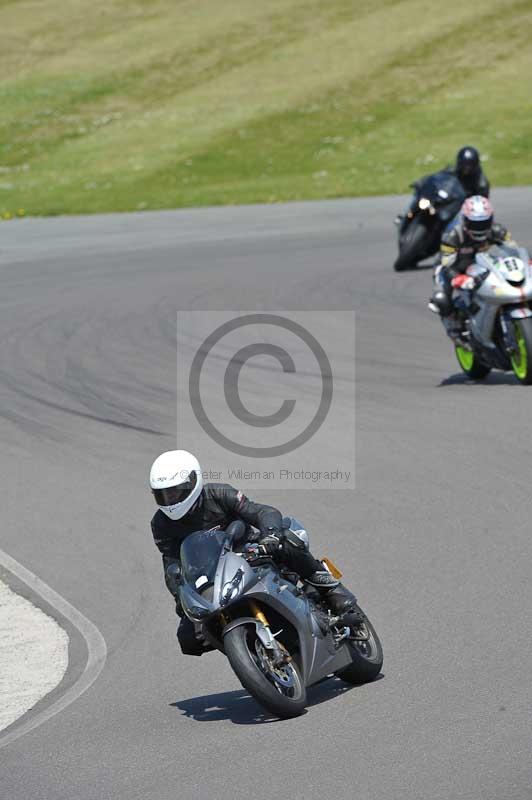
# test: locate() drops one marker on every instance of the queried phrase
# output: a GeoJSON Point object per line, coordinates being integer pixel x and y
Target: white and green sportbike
{"type": "Point", "coordinates": [492, 324]}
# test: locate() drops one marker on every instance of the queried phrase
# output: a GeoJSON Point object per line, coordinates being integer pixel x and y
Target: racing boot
{"type": "Point", "coordinates": [324, 583]}
{"type": "Point", "coordinates": [338, 598]}
{"type": "Point", "coordinates": [322, 580]}
{"type": "Point", "coordinates": [344, 603]}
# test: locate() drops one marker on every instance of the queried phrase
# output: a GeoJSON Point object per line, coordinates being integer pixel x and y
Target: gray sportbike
{"type": "Point", "coordinates": [278, 635]}
{"type": "Point", "coordinates": [495, 319]}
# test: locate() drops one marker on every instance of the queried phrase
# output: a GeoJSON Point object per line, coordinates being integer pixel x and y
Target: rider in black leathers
{"type": "Point", "coordinates": [469, 172]}
{"type": "Point", "coordinates": [474, 230]}
{"type": "Point", "coordinates": [217, 505]}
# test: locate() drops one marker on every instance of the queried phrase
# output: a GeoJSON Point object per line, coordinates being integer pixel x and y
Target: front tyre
{"type": "Point", "coordinates": [366, 654]}
{"type": "Point", "coordinates": [521, 359]}
{"type": "Point", "coordinates": [470, 363]}
{"type": "Point", "coordinates": [278, 689]}
{"type": "Point", "coordinates": [412, 245]}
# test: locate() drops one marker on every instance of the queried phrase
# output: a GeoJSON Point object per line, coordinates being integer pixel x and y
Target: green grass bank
{"type": "Point", "coordinates": [134, 104]}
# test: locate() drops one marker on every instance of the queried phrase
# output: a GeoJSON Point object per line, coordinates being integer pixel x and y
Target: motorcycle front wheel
{"type": "Point", "coordinates": [471, 365]}
{"type": "Point", "coordinates": [278, 688]}
{"type": "Point", "coordinates": [366, 654]}
{"type": "Point", "coordinates": [412, 245]}
{"type": "Point", "coordinates": [521, 359]}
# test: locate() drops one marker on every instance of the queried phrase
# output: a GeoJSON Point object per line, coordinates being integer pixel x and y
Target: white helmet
{"type": "Point", "coordinates": [176, 482]}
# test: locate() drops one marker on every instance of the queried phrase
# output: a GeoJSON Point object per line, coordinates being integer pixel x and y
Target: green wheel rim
{"type": "Point", "coordinates": [520, 359]}
{"type": "Point", "coordinates": [465, 358]}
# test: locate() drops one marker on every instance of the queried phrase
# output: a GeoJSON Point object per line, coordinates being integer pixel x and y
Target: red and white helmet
{"type": "Point", "coordinates": [477, 217]}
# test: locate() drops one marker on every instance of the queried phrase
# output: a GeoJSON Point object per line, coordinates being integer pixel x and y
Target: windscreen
{"type": "Point", "coordinates": [199, 555]}
{"type": "Point", "coordinates": [442, 181]}
{"type": "Point", "coordinates": [505, 251]}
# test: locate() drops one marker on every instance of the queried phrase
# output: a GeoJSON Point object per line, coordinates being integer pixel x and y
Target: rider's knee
{"type": "Point", "coordinates": [186, 636]}
{"type": "Point", "coordinates": [442, 301]}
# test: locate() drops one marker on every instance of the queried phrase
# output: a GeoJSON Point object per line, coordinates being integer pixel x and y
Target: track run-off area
{"type": "Point", "coordinates": [435, 539]}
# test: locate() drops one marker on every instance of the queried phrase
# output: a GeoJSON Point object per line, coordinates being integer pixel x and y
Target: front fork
{"type": "Point", "coordinates": [258, 614]}
{"type": "Point", "coordinates": [276, 649]}
{"type": "Point", "coordinates": [508, 336]}
{"type": "Point", "coordinates": [507, 316]}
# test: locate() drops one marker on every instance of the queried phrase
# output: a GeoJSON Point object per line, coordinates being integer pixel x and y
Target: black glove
{"type": "Point", "coordinates": [268, 545]}
{"type": "Point", "coordinates": [272, 541]}
{"type": "Point", "coordinates": [254, 551]}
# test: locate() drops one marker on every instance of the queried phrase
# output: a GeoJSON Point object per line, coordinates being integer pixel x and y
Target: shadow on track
{"type": "Point", "coordinates": [417, 267]}
{"type": "Point", "coordinates": [241, 709]}
{"type": "Point", "coordinates": [493, 379]}
{"type": "Point", "coordinates": [427, 263]}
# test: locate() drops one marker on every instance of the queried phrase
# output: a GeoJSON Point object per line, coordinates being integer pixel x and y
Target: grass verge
{"type": "Point", "coordinates": [136, 104]}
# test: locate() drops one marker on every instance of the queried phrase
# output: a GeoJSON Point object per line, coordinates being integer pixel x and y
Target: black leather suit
{"type": "Point", "coordinates": [217, 506]}
{"type": "Point", "coordinates": [476, 183]}
{"type": "Point", "coordinates": [458, 251]}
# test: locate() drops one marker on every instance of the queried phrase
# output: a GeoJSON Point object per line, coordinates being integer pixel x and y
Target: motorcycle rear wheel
{"type": "Point", "coordinates": [366, 656]}
{"type": "Point", "coordinates": [280, 690]}
{"type": "Point", "coordinates": [471, 365]}
{"type": "Point", "coordinates": [522, 360]}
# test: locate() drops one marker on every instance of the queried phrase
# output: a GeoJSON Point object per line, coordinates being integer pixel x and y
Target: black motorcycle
{"type": "Point", "coordinates": [437, 200]}
{"type": "Point", "coordinates": [277, 634]}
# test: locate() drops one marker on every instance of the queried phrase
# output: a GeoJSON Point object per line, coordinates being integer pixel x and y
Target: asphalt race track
{"type": "Point", "coordinates": [435, 539]}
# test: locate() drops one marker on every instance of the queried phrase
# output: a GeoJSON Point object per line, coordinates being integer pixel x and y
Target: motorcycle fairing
{"type": "Point", "coordinates": [495, 292]}
{"type": "Point", "coordinates": [235, 579]}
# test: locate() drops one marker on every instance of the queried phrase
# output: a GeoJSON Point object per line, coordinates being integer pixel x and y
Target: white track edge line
{"type": "Point", "coordinates": [96, 648]}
